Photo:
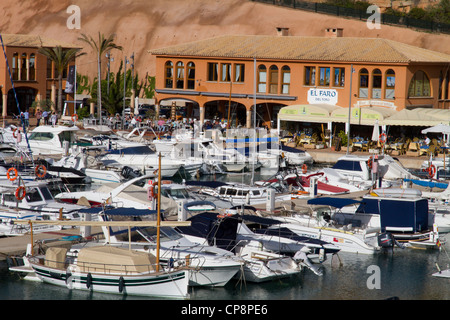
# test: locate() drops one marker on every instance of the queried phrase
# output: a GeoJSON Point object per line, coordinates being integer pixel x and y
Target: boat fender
{"type": "Point", "coordinates": [89, 281]}
{"type": "Point", "coordinates": [121, 284]}
{"type": "Point", "coordinates": [69, 278]}
{"type": "Point", "coordinates": [322, 256]}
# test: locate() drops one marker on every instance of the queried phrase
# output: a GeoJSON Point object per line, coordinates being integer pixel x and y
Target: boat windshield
{"type": "Point", "coordinates": [33, 195]}
{"type": "Point", "coordinates": [347, 165]}
{"type": "Point", "coordinates": [141, 234]}
{"type": "Point", "coordinates": [65, 136]}
{"type": "Point", "coordinates": [41, 136]}
{"type": "Point", "coordinates": [46, 193]}
{"type": "Point", "coordinates": [134, 150]}
{"type": "Point", "coordinates": [176, 193]}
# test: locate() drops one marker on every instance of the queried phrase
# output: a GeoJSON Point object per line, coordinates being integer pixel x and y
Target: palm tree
{"type": "Point", "coordinates": [61, 57]}
{"type": "Point", "coordinates": [100, 46]}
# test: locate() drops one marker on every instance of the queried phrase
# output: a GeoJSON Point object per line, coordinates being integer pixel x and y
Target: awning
{"type": "Point", "coordinates": [319, 113]}
{"type": "Point", "coordinates": [362, 115]}
{"type": "Point", "coordinates": [419, 117]}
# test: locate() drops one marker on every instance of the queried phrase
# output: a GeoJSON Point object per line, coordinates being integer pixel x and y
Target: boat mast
{"type": "Point", "coordinates": [158, 219]}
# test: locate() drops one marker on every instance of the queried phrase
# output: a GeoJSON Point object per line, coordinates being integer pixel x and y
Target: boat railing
{"type": "Point", "coordinates": [97, 267]}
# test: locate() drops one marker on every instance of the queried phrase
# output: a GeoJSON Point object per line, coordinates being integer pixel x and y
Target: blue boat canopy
{"type": "Point", "coordinates": [131, 212]}
{"type": "Point", "coordinates": [334, 202]}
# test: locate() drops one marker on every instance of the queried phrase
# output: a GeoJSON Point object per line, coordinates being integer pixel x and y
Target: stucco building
{"type": "Point", "coordinates": [34, 76]}
{"type": "Point", "coordinates": [272, 72]}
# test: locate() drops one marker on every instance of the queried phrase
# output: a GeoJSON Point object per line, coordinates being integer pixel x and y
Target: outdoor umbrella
{"type": "Point", "coordinates": [376, 131]}
{"type": "Point", "coordinates": [440, 128]}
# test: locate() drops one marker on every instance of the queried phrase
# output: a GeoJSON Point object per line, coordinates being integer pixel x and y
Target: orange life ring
{"type": "Point", "coordinates": [151, 190]}
{"type": "Point", "coordinates": [369, 163]}
{"type": "Point", "coordinates": [304, 168]}
{"type": "Point", "coordinates": [8, 174]}
{"type": "Point", "coordinates": [40, 171]}
{"type": "Point", "coordinates": [74, 117]}
{"type": "Point", "coordinates": [20, 193]}
{"type": "Point", "coordinates": [431, 170]}
{"type": "Point", "coordinates": [382, 137]}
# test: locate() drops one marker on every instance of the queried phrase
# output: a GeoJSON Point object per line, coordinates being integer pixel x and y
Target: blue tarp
{"type": "Point", "coordinates": [121, 211]}
{"type": "Point", "coordinates": [430, 184]}
{"type": "Point", "coordinates": [334, 202]}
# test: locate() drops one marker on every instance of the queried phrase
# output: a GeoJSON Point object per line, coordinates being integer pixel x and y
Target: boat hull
{"type": "Point", "coordinates": [171, 284]}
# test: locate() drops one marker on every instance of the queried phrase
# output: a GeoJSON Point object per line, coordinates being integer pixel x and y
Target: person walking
{"type": "Point", "coordinates": [38, 115]}
{"type": "Point", "coordinates": [45, 117]}
{"type": "Point", "coordinates": [26, 118]}
{"type": "Point", "coordinates": [54, 118]}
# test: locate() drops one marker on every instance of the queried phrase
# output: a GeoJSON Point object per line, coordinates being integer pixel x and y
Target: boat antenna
{"type": "Point", "coordinates": [17, 100]}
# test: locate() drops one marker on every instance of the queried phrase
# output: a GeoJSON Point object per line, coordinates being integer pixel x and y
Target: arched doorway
{"type": "Point", "coordinates": [267, 114]}
{"type": "Point", "coordinates": [25, 97]}
{"type": "Point", "coordinates": [218, 109]}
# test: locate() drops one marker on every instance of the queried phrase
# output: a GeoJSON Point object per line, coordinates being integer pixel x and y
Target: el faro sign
{"type": "Point", "coordinates": [322, 96]}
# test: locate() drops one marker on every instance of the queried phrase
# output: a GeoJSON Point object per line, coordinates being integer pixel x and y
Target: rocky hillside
{"type": "Point", "coordinates": [141, 25]}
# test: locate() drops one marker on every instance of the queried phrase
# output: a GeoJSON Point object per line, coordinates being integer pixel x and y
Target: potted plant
{"type": "Point", "coordinates": [344, 139]}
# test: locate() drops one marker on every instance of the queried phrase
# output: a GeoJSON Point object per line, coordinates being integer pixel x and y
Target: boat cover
{"type": "Point", "coordinates": [210, 184]}
{"type": "Point", "coordinates": [97, 259]}
{"type": "Point", "coordinates": [131, 212]}
{"type": "Point", "coordinates": [206, 225]}
{"type": "Point", "coordinates": [333, 202]}
{"type": "Point", "coordinates": [430, 184]}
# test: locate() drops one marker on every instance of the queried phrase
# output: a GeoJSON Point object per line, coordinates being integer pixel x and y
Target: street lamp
{"type": "Point", "coordinates": [108, 56]}
{"type": "Point", "coordinates": [124, 90]}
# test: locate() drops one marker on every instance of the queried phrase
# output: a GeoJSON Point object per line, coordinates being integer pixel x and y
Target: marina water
{"type": "Point", "coordinates": [405, 274]}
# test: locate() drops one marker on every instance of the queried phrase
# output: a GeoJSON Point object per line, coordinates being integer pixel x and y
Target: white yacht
{"type": "Point", "coordinates": [37, 197]}
{"type": "Point", "coordinates": [50, 140]}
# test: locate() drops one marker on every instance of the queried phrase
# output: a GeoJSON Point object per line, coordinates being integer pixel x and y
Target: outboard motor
{"type": "Point", "coordinates": [130, 173]}
{"type": "Point", "coordinates": [386, 240]}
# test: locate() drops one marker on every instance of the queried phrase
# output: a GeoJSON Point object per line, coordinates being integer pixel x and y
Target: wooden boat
{"type": "Point", "coordinates": [111, 270]}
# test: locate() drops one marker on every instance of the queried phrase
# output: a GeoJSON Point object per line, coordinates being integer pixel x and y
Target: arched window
{"type": "Point", "coordinates": [32, 67]}
{"type": "Point", "coordinates": [324, 76]}
{"type": "Point", "coordinates": [377, 78]}
{"type": "Point", "coordinates": [273, 79]}
{"type": "Point", "coordinates": [191, 75]}
{"type": "Point", "coordinates": [285, 80]}
{"type": "Point", "coordinates": [225, 72]}
{"type": "Point", "coordinates": [390, 85]}
{"type": "Point", "coordinates": [363, 83]}
{"type": "Point", "coordinates": [168, 75]}
{"type": "Point", "coordinates": [15, 66]}
{"type": "Point", "coordinates": [23, 67]}
{"type": "Point", "coordinates": [179, 75]}
{"type": "Point", "coordinates": [419, 85]}
{"type": "Point", "coordinates": [262, 78]}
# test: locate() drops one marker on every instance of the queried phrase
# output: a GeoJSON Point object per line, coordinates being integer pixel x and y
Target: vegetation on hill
{"type": "Point", "coordinates": [439, 12]}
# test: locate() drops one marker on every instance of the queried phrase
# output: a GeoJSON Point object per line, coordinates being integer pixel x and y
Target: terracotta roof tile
{"type": "Point", "coordinates": [34, 41]}
{"type": "Point", "coordinates": [305, 48]}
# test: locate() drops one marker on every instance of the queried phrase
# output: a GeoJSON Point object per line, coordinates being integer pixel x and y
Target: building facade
{"type": "Point", "coordinates": [34, 76]}
{"type": "Point", "coordinates": [227, 76]}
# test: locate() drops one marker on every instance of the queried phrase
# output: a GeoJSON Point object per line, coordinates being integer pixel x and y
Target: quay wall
{"type": "Point", "coordinates": [329, 156]}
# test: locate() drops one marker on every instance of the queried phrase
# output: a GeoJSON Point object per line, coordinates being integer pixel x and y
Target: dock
{"type": "Point", "coordinates": [10, 246]}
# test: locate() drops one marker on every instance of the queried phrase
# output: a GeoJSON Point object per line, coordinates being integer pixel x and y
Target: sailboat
{"type": "Point", "coordinates": [104, 268]}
